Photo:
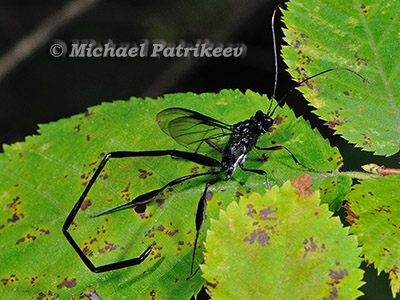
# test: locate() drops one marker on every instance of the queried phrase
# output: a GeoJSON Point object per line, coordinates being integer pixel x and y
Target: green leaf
{"type": "Point", "coordinates": [374, 211]}
{"type": "Point", "coordinates": [362, 36]}
{"type": "Point", "coordinates": [42, 178]}
{"type": "Point", "coordinates": [334, 189]}
{"type": "Point", "coordinates": [281, 246]}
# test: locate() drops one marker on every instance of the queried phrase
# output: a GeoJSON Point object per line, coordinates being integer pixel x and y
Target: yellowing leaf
{"type": "Point", "coordinates": [281, 246]}
{"type": "Point", "coordinates": [374, 211]}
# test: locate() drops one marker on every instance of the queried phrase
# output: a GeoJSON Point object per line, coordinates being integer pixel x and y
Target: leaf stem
{"type": "Point", "coordinates": [360, 175]}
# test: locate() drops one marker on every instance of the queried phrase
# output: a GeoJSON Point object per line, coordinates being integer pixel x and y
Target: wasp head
{"type": "Point", "coordinates": [264, 121]}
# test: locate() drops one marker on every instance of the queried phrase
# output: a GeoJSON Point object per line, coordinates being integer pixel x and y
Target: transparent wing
{"type": "Point", "coordinates": [193, 130]}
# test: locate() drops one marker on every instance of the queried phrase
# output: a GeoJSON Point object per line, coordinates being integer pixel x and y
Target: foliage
{"type": "Point", "coordinates": [374, 213]}
{"type": "Point", "coordinates": [42, 178]}
{"type": "Point", "coordinates": [283, 245]}
{"type": "Point", "coordinates": [359, 36]}
{"type": "Point", "coordinates": [363, 37]}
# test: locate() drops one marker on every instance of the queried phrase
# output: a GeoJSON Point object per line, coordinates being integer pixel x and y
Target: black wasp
{"type": "Point", "coordinates": [200, 134]}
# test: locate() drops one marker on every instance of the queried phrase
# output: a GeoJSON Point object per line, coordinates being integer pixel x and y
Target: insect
{"type": "Point", "coordinates": [200, 134]}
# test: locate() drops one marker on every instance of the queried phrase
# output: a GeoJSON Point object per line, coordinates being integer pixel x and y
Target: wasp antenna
{"type": "Point", "coordinates": [334, 69]}
{"type": "Point", "coordinates": [318, 74]}
{"type": "Point", "coordinates": [275, 56]}
{"type": "Point", "coordinates": [275, 52]}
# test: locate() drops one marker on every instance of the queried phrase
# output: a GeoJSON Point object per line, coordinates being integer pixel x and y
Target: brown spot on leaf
{"type": "Point", "coordinates": [386, 252]}
{"type": "Point", "coordinates": [171, 233]}
{"type": "Point", "coordinates": [351, 216]}
{"type": "Point", "coordinates": [67, 283]}
{"type": "Point", "coordinates": [259, 236]}
{"type": "Point", "coordinates": [144, 173]}
{"type": "Point", "coordinates": [160, 202]}
{"type": "Point", "coordinates": [41, 230]}
{"type": "Point", "coordinates": [340, 161]}
{"type": "Point", "coordinates": [108, 247]}
{"type": "Point", "coordinates": [367, 139]}
{"type": "Point", "coordinates": [30, 237]}
{"type": "Point", "coordinates": [363, 8]}
{"type": "Point", "coordinates": [263, 158]}
{"type": "Point", "coordinates": [394, 270]}
{"type": "Point", "coordinates": [382, 208]}
{"type": "Point", "coordinates": [15, 206]}
{"type": "Point", "coordinates": [333, 123]}
{"type": "Point", "coordinates": [333, 294]}
{"type": "Point", "coordinates": [336, 276]}
{"type": "Point", "coordinates": [194, 170]}
{"type": "Point", "coordinates": [361, 61]}
{"type": "Point", "coordinates": [88, 114]}
{"type": "Point", "coordinates": [309, 246]}
{"type": "Point", "coordinates": [20, 240]}
{"type": "Point", "coordinates": [32, 280]}
{"type": "Point", "coordinates": [238, 194]}
{"type": "Point", "coordinates": [303, 185]}
{"type": "Point", "coordinates": [10, 280]}
{"type": "Point", "coordinates": [251, 211]}
{"type": "Point", "coordinates": [304, 36]}
{"type": "Point", "coordinates": [265, 214]}
{"type": "Point", "coordinates": [150, 233]}
{"type": "Point", "coordinates": [77, 128]}
{"type": "Point", "coordinates": [87, 251]}
{"type": "Point", "coordinates": [145, 216]}
{"type": "Point", "coordinates": [126, 188]}
{"type": "Point", "coordinates": [85, 204]}
{"type": "Point", "coordinates": [15, 217]}
{"type": "Point", "coordinates": [49, 296]}
{"type": "Point", "coordinates": [212, 284]}
{"type": "Point", "coordinates": [278, 120]}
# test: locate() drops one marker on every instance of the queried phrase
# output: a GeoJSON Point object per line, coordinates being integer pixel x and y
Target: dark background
{"type": "Point", "coordinates": [41, 89]}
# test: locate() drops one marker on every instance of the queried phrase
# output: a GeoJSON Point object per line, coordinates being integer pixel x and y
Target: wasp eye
{"type": "Point", "coordinates": [260, 116]}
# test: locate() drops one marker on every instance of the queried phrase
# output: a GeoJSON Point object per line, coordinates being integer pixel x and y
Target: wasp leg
{"type": "Point", "coordinates": [201, 214]}
{"type": "Point", "coordinates": [197, 158]}
{"type": "Point", "coordinates": [147, 197]}
{"type": "Point", "coordinates": [257, 171]}
{"type": "Point", "coordinates": [279, 147]}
